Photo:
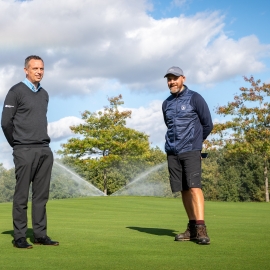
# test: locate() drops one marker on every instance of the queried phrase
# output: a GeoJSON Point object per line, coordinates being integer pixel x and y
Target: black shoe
{"type": "Point", "coordinates": [202, 237]}
{"type": "Point", "coordinates": [45, 240]}
{"type": "Point", "coordinates": [189, 234]}
{"type": "Point", "coordinates": [21, 243]}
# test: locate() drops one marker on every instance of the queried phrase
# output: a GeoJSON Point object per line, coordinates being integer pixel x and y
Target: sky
{"type": "Point", "coordinates": [94, 50]}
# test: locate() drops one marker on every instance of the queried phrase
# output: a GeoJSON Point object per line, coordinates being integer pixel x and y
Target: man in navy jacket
{"type": "Point", "coordinates": [188, 122]}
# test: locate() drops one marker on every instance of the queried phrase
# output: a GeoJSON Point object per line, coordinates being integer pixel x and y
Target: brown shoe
{"type": "Point", "coordinates": [201, 235]}
{"type": "Point", "coordinates": [189, 234]}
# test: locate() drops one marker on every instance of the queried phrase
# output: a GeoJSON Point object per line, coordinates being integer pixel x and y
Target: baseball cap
{"type": "Point", "coordinates": [175, 71]}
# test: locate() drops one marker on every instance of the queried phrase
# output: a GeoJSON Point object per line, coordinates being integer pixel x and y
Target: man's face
{"type": "Point", "coordinates": [175, 84]}
{"type": "Point", "coordinates": [34, 71]}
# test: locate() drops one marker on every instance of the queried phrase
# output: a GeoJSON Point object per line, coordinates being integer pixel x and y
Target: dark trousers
{"type": "Point", "coordinates": [31, 165]}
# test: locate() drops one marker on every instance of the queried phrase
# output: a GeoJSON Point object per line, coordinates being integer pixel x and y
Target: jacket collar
{"type": "Point", "coordinates": [182, 92]}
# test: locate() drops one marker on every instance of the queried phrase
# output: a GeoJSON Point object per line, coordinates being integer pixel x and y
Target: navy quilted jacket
{"type": "Point", "coordinates": [188, 122]}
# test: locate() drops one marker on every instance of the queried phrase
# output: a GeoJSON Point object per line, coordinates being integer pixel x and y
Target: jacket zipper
{"type": "Point", "coordinates": [174, 124]}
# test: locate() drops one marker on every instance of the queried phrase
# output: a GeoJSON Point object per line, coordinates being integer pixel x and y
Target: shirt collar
{"type": "Point", "coordinates": [31, 86]}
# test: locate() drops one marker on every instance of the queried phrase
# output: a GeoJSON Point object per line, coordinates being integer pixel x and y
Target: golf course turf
{"type": "Point", "coordinates": [138, 233]}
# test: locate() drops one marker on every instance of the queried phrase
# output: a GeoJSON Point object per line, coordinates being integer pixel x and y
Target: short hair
{"type": "Point", "coordinates": [27, 59]}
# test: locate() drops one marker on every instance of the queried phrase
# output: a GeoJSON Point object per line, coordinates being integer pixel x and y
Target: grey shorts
{"type": "Point", "coordinates": [185, 170]}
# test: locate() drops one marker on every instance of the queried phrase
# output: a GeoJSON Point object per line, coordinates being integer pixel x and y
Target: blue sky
{"type": "Point", "coordinates": [98, 49]}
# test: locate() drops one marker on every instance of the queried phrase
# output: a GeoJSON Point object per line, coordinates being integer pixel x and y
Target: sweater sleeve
{"type": "Point", "coordinates": [9, 110]}
{"type": "Point", "coordinates": [203, 112]}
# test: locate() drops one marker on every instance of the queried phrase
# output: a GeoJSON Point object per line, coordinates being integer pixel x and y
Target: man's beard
{"type": "Point", "coordinates": [175, 91]}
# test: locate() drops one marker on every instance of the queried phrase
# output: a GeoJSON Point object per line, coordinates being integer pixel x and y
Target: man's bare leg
{"type": "Point", "coordinates": [193, 201]}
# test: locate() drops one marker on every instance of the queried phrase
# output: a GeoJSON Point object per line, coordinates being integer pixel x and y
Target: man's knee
{"type": "Point", "coordinates": [192, 192]}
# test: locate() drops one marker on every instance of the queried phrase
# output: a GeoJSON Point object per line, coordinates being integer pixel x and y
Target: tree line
{"type": "Point", "coordinates": [225, 177]}
{"type": "Point", "coordinates": [111, 156]}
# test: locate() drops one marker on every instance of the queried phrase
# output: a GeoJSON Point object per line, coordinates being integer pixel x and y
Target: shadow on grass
{"type": "Point", "coordinates": [158, 231]}
{"type": "Point", "coordinates": [155, 231]}
{"type": "Point", "coordinates": [29, 234]}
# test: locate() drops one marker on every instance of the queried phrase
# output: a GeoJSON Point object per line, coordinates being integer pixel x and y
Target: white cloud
{"type": "Point", "coordinates": [7, 75]}
{"type": "Point", "coordinates": [60, 129]}
{"type": "Point", "coordinates": [6, 155]}
{"type": "Point", "coordinates": [150, 121]}
{"type": "Point", "coordinates": [87, 45]}
{"type": "Point", "coordinates": [147, 119]}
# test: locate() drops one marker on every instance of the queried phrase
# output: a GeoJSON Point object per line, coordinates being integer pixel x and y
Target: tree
{"type": "Point", "coordinates": [248, 132]}
{"type": "Point", "coordinates": [240, 177]}
{"type": "Point", "coordinates": [106, 130]}
{"type": "Point", "coordinates": [7, 184]}
{"type": "Point", "coordinates": [210, 176]}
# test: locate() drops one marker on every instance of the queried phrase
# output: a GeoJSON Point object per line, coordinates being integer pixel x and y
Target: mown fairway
{"type": "Point", "coordinates": [138, 233]}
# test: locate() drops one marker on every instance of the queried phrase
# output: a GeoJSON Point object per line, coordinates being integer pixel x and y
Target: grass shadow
{"type": "Point", "coordinates": [29, 234]}
{"type": "Point", "coordinates": [155, 231]}
{"type": "Point", "coordinates": [158, 231]}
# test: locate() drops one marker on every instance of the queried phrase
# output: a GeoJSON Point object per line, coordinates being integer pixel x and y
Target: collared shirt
{"type": "Point", "coordinates": [31, 86]}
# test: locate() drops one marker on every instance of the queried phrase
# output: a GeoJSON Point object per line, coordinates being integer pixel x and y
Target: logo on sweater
{"type": "Point", "coordinates": [9, 106]}
{"type": "Point", "coordinates": [183, 107]}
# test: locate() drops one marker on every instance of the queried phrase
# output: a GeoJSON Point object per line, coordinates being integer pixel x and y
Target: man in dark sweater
{"type": "Point", "coordinates": [188, 122]}
{"type": "Point", "coordinates": [24, 123]}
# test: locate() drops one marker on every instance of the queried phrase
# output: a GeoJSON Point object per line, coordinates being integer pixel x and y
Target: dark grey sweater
{"type": "Point", "coordinates": [24, 120]}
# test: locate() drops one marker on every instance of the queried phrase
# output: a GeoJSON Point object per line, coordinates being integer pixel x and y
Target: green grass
{"type": "Point", "coordinates": [138, 233]}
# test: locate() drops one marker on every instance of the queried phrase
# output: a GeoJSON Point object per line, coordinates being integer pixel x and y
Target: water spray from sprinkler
{"type": "Point", "coordinates": [105, 188]}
